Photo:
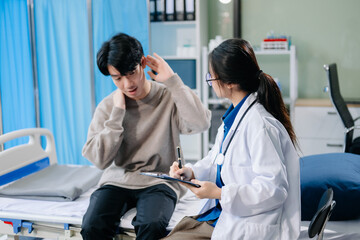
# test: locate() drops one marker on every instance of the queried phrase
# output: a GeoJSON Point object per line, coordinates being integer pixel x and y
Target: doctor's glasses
{"type": "Point", "coordinates": [209, 80]}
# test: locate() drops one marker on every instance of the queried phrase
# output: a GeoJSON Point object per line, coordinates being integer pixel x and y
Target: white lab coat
{"type": "Point", "coordinates": [261, 196]}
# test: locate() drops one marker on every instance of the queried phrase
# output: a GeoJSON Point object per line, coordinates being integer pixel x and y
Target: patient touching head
{"type": "Point", "coordinates": [122, 52]}
{"type": "Point", "coordinates": [122, 58]}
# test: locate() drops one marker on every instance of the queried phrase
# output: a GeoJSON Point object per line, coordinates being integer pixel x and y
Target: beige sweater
{"type": "Point", "coordinates": [144, 136]}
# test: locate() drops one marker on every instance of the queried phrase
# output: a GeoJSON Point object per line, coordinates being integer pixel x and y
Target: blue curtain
{"type": "Point", "coordinates": [62, 52]}
{"type": "Point", "coordinates": [109, 18]}
{"type": "Point", "coordinates": [62, 46]}
{"type": "Point", "coordinates": [16, 79]}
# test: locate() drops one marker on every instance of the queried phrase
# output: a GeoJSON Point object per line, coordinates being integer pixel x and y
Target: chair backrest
{"type": "Point", "coordinates": [325, 208]}
{"type": "Point", "coordinates": [339, 103]}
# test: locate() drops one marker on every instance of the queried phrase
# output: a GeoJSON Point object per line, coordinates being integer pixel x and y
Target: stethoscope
{"type": "Point", "coordinates": [219, 159]}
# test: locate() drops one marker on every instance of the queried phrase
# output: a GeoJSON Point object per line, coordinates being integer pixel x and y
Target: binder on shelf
{"type": "Point", "coordinates": [160, 10]}
{"type": "Point", "coordinates": [179, 10]}
{"type": "Point", "coordinates": [169, 10]}
{"type": "Point", "coordinates": [189, 10]}
{"type": "Point", "coordinates": [152, 10]}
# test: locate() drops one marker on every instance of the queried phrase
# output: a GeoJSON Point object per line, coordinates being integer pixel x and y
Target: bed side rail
{"type": "Point", "coordinates": [19, 157]}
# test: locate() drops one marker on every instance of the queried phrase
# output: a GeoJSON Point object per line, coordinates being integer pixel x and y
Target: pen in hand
{"type": "Point", "coordinates": [179, 157]}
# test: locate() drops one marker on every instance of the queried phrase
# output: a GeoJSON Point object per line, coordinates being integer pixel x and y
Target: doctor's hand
{"type": "Point", "coordinates": [119, 99]}
{"type": "Point", "coordinates": [159, 65]}
{"type": "Point", "coordinates": [183, 173]}
{"type": "Point", "coordinates": [207, 189]}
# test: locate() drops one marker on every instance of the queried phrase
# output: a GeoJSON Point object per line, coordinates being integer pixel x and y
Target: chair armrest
{"type": "Point", "coordinates": [352, 128]}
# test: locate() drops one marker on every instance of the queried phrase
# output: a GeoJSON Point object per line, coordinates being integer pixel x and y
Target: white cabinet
{"type": "Point", "coordinates": [214, 103]}
{"type": "Point", "coordinates": [318, 127]}
{"type": "Point", "coordinates": [179, 43]}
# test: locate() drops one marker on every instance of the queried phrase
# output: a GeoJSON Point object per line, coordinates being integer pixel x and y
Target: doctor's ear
{"type": "Point", "coordinates": [230, 85]}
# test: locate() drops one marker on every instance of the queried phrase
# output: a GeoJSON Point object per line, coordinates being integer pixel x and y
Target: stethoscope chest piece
{"type": "Point", "coordinates": [221, 156]}
{"type": "Point", "coordinates": [220, 159]}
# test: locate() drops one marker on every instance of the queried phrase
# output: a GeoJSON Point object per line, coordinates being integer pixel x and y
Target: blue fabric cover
{"type": "Point", "coordinates": [341, 172]}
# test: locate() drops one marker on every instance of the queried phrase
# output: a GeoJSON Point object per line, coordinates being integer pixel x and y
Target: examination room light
{"type": "Point", "coordinates": [225, 1]}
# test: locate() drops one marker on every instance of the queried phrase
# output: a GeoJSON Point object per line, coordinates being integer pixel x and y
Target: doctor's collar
{"type": "Point", "coordinates": [230, 114]}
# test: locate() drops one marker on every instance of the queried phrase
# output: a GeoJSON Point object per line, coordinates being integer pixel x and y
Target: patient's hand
{"type": "Point", "coordinates": [159, 65]}
{"type": "Point", "coordinates": [207, 189]}
{"type": "Point", "coordinates": [119, 99]}
{"type": "Point", "coordinates": [183, 173]}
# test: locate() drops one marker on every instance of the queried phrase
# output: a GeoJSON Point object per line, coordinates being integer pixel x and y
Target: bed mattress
{"type": "Point", "coordinates": [72, 212]}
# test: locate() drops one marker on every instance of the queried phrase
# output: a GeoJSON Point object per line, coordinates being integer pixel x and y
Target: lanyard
{"type": "Point", "coordinates": [220, 157]}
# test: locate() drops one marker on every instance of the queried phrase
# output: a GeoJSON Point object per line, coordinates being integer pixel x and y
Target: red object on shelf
{"type": "Point", "coordinates": [275, 40]}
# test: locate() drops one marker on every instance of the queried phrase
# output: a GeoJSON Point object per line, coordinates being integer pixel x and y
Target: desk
{"type": "Point", "coordinates": [352, 101]}
{"type": "Point", "coordinates": [318, 126]}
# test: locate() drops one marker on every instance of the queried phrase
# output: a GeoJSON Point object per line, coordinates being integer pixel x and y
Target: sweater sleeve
{"type": "Point", "coordinates": [192, 116]}
{"type": "Point", "coordinates": [105, 135]}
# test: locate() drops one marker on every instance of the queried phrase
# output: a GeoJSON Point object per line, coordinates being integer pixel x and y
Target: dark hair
{"type": "Point", "coordinates": [121, 51]}
{"type": "Point", "coordinates": [234, 62]}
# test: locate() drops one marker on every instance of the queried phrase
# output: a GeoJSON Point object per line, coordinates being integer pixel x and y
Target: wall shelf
{"type": "Point", "coordinates": [211, 101]}
{"type": "Point", "coordinates": [179, 43]}
{"type": "Point", "coordinates": [174, 23]}
{"type": "Point", "coordinates": [174, 57]}
{"type": "Point", "coordinates": [272, 52]}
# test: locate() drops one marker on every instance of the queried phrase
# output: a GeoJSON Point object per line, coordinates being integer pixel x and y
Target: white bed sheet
{"type": "Point", "coordinates": [72, 212]}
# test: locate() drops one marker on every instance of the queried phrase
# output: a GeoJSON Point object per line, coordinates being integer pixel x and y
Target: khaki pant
{"type": "Point", "coordinates": [190, 228]}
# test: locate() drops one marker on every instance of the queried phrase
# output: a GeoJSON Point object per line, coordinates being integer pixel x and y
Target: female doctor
{"type": "Point", "coordinates": [251, 175]}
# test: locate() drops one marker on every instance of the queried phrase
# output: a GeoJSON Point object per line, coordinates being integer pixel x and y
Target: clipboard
{"type": "Point", "coordinates": [167, 177]}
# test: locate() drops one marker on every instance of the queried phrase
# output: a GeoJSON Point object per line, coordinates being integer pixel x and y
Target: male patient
{"type": "Point", "coordinates": [136, 128]}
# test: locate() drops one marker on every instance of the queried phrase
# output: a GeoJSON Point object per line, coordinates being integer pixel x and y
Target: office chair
{"type": "Point", "coordinates": [350, 145]}
{"type": "Point", "coordinates": [321, 217]}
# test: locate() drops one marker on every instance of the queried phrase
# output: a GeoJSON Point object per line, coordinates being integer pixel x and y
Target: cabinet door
{"type": "Point", "coordinates": [318, 123]}
{"type": "Point", "coordinates": [312, 146]}
{"type": "Point", "coordinates": [186, 69]}
{"type": "Point", "coordinates": [320, 129]}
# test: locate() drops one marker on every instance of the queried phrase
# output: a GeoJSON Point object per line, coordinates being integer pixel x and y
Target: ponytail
{"type": "Point", "coordinates": [269, 95]}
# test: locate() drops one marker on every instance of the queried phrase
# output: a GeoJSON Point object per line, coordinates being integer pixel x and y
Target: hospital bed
{"type": "Point", "coordinates": [62, 219]}
{"type": "Point", "coordinates": [54, 219]}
